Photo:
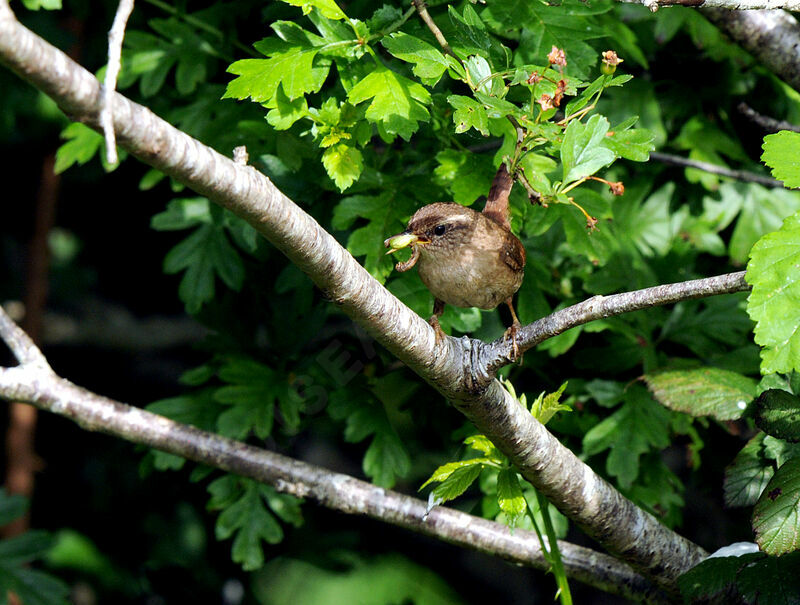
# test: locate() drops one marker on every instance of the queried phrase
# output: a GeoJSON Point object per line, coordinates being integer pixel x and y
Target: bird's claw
{"type": "Point", "coordinates": [511, 334]}
{"type": "Point", "coordinates": [434, 323]}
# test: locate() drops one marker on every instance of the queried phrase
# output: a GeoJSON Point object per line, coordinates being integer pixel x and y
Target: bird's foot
{"type": "Point", "coordinates": [511, 334]}
{"type": "Point", "coordinates": [434, 323]}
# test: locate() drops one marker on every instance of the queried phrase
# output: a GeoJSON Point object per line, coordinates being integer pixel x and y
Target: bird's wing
{"type": "Point", "coordinates": [513, 253]}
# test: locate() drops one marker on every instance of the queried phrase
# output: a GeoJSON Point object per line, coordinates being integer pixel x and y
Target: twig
{"type": "Point", "coordinates": [766, 122]}
{"type": "Point", "coordinates": [739, 175]}
{"type": "Point", "coordinates": [115, 36]}
{"type": "Point", "coordinates": [38, 385]}
{"type": "Point", "coordinates": [422, 9]}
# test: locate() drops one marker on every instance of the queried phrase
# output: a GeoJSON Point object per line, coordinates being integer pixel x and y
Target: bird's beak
{"type": "Point", "coordinates": [404, 240]}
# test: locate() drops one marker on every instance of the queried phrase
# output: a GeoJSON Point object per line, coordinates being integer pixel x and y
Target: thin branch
{"type": "Point", "coordinates": [49, 392]}
{"type": "Point", "coordinates": [739, 175]}
{"type": "Point", "coordinates": [454, 367]}
{"type": "Point", "coordinates": [422, 9]}
{"type": "Point", "coordinates": [21, 345]}
{"type": "Point", "coordinates": [600, 307]}
{"type": "Point", "coordinates": [766, 122]}
{"type": "Point", "coordinates": [115, 36]}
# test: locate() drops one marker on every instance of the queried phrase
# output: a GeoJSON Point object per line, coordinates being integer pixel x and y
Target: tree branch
{"type": "Point", "coordinates": [34, 382]}
{"type": "Point", "coordinates": [600, 307]}
{"type": "Point", "coordinates": [454, 367]}
{"type": "Point", "coordinates": [739, 175]}
{"type": "Point", "coordinates": [731, 5]}
{"type": "Point", "coordinates": [766, 122]}
{"type": "Point", "coordinates": [773, 37]}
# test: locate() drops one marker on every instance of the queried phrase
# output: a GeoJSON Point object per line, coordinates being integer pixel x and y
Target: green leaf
{"type": "Point", "coordinates": [722, 394]}
{"type": "Point", "coordinates": [583, 151]}
{"type": "Point", "coordinates": [328, 8]}
{"type": "Point", "coordinates": [429, 62]}
{"type": "Point", "coordinates": [481, 443]}
{"type": "Point", "coordinates": [635, 144]}
{"type": "Point", "coordinates": [182, 214]}
{"type": "Point", "coordinates": [778, 414]}
{"type": "Point", "coordinates": [467, 176]}
{"type": "Point", "coordinates": [285, 112]}
{"type": "Point", "coordinates": [509, 496]}
{"type": "Point", "coordinates": [546, 406]}
{"type": "Point", "coordinates": [397, 103]}
{"type": "Point", "coordinates": [748, 474]}
{"type": "Point", "coordinates": [12, 506]}
{"type": "Point", "coordinates": [33, 587]}
{"type": "Point", "coordinates": [253, 390]}
{"type": "Point", "coordinates": [292, 63]}
{"type": "Point", "coordinates": [762, 211]}
{"type": "Point", "coordinates": [457, 483]}
{"type": "Point", "coordinates": [782, 154]}
{"type": "Point", "coordinates": [35, 5]}
{"type": "Point", "coordinates": [82, 143]}
{"type": "Point", "coordinates": [776, 516]}
{"type": "Point", "coordinates": [469, 114]}
{"type": "Point", "coordinates": [714, 577]}
{"type": "Point", "coordinates": [343, 164]}
{"type": "Point", "coordinates": [470, 33]}
{"type": "Point", "coordinates": [204, 255]}
{"type": "Point", "coordinates": [637, 427]}
{"type": "Point", "coordinates": [443, 472]}
{"type": "Point", "coordinates": [772, 271]}
{"type": "Point", "coordinates": [248, 518]}
{"type": "Point", "coordinates": [384, 214]}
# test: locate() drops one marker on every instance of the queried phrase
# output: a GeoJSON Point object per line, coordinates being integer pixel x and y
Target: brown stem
{"type": "Point", "coordinates": [422, 9]}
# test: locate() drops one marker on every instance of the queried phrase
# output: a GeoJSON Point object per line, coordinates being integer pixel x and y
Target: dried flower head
{"type": "Point", "coordinates": [610, 58]}
{"type": "Point", "coordinates": [534, 78]}
{"type": "Point", "coordinates": [546, 101]}
{"type": "Point", "coordinates": [617, 188]}
{"type": "Point", "coordinates": [557, 57]}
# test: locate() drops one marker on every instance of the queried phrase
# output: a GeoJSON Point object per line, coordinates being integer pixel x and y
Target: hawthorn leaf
{"type": "Point", "coordinates": [428, 62]}
{"type": "Point", "coordinates": [583, 151]}
{"type": "Point", "coordinates": [395, 102]}
{"type": "Point", "coordinates": [344, 164]}
{"type": "Point", "coordinates": [773, 303]}
{"type": "Point", "coordinates": [782, 155]}
{"type": "Point", "coordinates": [469, 114]}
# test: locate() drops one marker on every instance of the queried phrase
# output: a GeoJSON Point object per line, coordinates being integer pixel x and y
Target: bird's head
{"type": "Point", "coordinates": [435, 230]}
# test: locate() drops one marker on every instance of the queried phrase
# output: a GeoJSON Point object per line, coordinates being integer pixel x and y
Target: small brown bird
{"type": "Point", "coordinates": [466, 258]}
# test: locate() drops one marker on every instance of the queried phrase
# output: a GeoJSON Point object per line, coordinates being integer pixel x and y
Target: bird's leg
{"type": "Point", "coordinates": [511, 333]}
{"type": "Point", "coordinates": [438, 309]}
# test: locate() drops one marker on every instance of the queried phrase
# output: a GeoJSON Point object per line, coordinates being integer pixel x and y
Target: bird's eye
{"type": "Point", "coordinates": [439, 230]}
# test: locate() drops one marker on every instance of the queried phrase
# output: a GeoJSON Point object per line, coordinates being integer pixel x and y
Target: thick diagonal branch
{"type": "Point", "coordinates": [451, 366]}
